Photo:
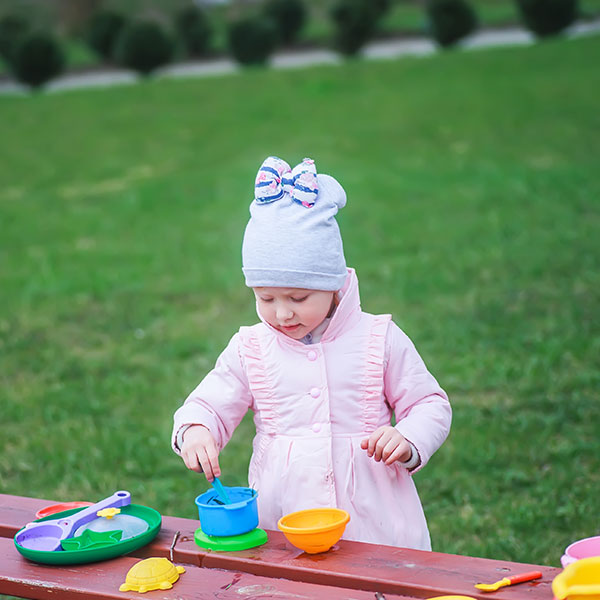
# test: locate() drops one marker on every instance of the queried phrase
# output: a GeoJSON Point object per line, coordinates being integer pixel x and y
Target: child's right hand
{"type": "Point", "coordinates": [200, 452]}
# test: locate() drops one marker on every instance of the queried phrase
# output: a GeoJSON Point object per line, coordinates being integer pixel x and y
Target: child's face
{"type": "Point", "coordinates": [293, 311]}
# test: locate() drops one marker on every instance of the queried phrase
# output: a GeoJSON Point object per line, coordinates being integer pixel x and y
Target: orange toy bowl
{"type": "Point", "coordinates": [315, 529]}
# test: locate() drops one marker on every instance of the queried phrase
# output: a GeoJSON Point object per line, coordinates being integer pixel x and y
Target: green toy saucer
{"type": "Point", "coordinates": [83, 551]}
{"type": "Point", "coordinates": [230, 543]}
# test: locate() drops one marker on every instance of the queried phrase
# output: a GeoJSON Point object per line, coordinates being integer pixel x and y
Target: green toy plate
{"type": "Point", "coordinates": [256, 537]}
{"type": "Point", "coordinates": [97, 552]}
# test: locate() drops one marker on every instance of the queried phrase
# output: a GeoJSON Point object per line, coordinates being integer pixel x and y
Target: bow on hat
{"type": "Point", "coordinates": [275, 178]}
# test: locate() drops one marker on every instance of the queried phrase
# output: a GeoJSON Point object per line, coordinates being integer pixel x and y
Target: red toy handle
{"type": "Point", "coordinates": [525, 577]}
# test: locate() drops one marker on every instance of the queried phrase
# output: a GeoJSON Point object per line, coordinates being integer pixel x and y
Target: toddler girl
{"type": "Point", "coordinates": [321, 376]}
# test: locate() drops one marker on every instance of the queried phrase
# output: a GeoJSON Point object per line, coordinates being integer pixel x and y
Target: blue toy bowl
{"type": "Point", "coordinates": [220, 519]}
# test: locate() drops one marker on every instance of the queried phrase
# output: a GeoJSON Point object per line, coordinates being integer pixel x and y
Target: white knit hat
{"type": "Point", "coordinates": [292, 238]}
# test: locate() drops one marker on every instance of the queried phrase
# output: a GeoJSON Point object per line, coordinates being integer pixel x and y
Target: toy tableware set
{"type": "Point", "coordinates": [492, 587]}
{"type": "Point", "coordinates": [109, 528]}
{"type": "Point", "coordinates": [82, 532]}
{"type": "Point", "coordinates": [585, 548]}
{"type": "Point", "coordinates": [151, 574]}
{"type": "Point", "coordinates": [580, 578]}
{"type": "Point", "coordinates": [521, 578]}
{"type": "Point", "coordinates": [228, 519]}
{"type": "Point", "coordinates": [221, 491]}
{"type": "Point", "coordinates": [62, 506]}
{"type": "Point", "coordinates": [314, 530]}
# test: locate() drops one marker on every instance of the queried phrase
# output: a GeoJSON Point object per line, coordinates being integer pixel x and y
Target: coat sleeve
{"type": "Point", "coordinates": [219, 402]}
{"type": "Point", "coordinates": [423, 413]}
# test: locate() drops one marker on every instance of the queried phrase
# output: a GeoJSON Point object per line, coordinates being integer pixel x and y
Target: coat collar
{"type": "Point", "coordinates": [346, 314]}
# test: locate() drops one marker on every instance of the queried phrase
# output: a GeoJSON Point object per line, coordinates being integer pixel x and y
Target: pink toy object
{"type": "Point", "coordinates": [585, 548]}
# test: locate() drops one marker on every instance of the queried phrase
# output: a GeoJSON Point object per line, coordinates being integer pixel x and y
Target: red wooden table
{"type": "Point", "coordinates": [350, 570]}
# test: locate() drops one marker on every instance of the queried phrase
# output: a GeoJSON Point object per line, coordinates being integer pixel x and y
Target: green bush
{"type": "Point", "coordinates": [450, 20]}
{"type": "Point", "coordinates": [144, 46]}
{"type": "Point", "coordinates": [12, 30]}
{"type": "Point", "coordinates": [289, 16]}
{"type": "Point", "coordinates": [103, 31]}
{"type": "Point", "coordinates": [37, 59]}
{"type": "Point", "coordinates": [252, 39]}
{"type": "Point", "coordinates": [381, 6]}
{"type": "Point", "coordinates": [195, 30]}
{"type": "Point", "coordinates": [355, 23]}
{"type": "Point", "coordinates": [548, 17]}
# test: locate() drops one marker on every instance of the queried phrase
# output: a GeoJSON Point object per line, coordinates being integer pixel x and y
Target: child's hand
{"type": "Point", "coordinates": [200, 452]}
{"type": "Point", "coordinates": [387, 444]}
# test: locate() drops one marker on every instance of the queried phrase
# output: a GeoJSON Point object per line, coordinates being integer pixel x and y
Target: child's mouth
{"type": "Point", "coordinates": [289, 328]}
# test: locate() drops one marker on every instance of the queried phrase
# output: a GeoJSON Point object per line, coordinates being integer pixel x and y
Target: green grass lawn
{"type": "Point", "coordinates": [473, 217]}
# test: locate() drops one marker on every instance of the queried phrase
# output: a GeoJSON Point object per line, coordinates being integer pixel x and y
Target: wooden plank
{"type": "Point", "coordinates": [101, 581]}
{"type": "Point", "coordinates": [349, 564]}
{"type": "Point", "coordinates": [376, 568]}
{"type": "Point", "coordinates": [16, 511]}
{"type": "Point", "coordinates": [358, 566]}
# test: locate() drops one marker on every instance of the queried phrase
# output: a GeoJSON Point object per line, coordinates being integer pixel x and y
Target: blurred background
{"type": "Point", "coordinates": [472, 216]}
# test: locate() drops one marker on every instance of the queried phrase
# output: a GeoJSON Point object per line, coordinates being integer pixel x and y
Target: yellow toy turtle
{"type": "Point", "coordinates": [151, 574]}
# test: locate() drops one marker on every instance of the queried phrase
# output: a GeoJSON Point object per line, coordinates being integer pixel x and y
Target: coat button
{"type": "Point", "coordinates": [315, 392]}
{"type": "Point", "coordinates": [312, 355]}
{"type": "Point", "coordinates": [316, 427]}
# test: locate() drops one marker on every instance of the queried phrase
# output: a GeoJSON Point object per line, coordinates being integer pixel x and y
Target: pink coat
{"type": "Point", "coordinates": [313, 404]}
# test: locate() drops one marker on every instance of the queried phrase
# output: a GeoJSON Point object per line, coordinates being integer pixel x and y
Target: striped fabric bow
{"type": "Point", "coordinates": [275, 178]}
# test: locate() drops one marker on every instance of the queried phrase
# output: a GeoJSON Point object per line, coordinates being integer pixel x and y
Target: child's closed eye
{"type": "Point", "coordinates": [299, 299]}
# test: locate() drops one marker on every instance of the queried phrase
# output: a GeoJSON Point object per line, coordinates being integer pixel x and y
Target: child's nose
{"type": "Point", "coordinates": [284, 312]}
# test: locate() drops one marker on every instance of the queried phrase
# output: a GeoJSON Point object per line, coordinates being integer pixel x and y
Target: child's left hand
{"type": "Point", "coordinates": [388, 444]}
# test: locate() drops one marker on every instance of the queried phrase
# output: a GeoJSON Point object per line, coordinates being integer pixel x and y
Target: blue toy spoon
{"type": "Point", "coordinates": [221, 490]}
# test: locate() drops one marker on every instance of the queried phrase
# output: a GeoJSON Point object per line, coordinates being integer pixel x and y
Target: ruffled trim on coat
{"type": "Point", "coordinates": [258, 379]}
{"type": "Point", "coordinates": [372, 384]}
